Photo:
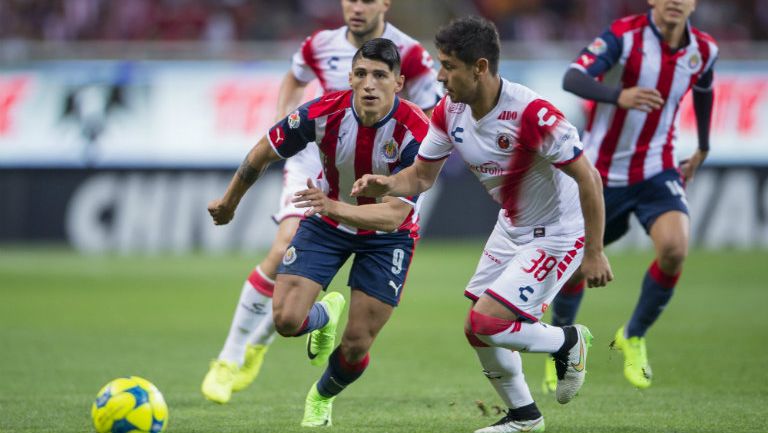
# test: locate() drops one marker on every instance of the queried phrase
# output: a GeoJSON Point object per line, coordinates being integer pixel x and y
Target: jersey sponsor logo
{"type": "Point", "coordinates": [598, 46]}
{"type": "Point", "coordinates": [503, 141]}
{"type": "Point", "coordinates": [491, 167]}
{"type": "Point", "coordinates": [276, 135]}
{"type": "Point", "coordinates": [294, 119]}
{"type": "Point", "coordinates": [586, 60]}
{"type": "Point", "coordinates": [395, 287]}
{"type": "Point", "coordinates": [455, 134]}
{"type": "Point", "coordinates": [389, 151]}
{"type": "Point", "coordinates": [539, 232]}
{"type": "Point", "coordinates": [290, 256]}
{"type": "Point", "coordinates": [333, 63]}
{"type": "Point", "coordinates": [455, 107]}
{"type": "Point", "coordinates": [549, 121]}
{"type": "Point", "coordinates": [508, 115]}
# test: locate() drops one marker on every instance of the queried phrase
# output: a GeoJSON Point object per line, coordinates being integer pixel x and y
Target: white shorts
{"type": "Point", "coordinates": [298, 168]}
{"type": "Point", "coordinates": [525, 274]}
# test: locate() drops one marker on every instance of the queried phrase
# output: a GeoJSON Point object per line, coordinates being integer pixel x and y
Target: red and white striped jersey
{"type": "Point", "coordinates": [327, 56]}
{"type": "Point", "coordinates": [349, 150]}
{"type": "Point", "coordinates": [515, 151]}
{"type": "Point", "coordinates": [629, 146]}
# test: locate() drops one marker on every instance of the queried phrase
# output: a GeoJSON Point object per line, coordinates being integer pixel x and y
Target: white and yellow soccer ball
{"type": "Point", "coordinates": [129, 404]}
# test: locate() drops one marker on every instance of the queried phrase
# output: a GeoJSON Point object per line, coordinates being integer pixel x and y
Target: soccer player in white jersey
{"type": "Point", "coordinates": [528, 157]}
{"type": "Point", "coordinates": [326, 56]}
{"type": "Point", "coordinates": [637, 73]}
{"type": "Point", "coordinates": [361, 131]}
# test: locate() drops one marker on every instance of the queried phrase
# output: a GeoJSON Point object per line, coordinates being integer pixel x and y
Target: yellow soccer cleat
{"type": "Point", "coordinates": [637, 370]}
{"type": "Point", "coordinates": [217, 385]}
{"type": "Point", "coordinates": [317, 409]}
{"type": "Point", "coordinates": [254, 357]}
{"type": "Point", "coordinates": [320, 342]}
{"type": "Point", "coordinates": [549, 384]}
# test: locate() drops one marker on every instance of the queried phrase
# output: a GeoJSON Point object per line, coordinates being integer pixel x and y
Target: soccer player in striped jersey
{"type": "Point", "coordinates": [327, 57]}
{"type": "Point", "coordinates": [528, 157]}
{"type": "Point", "coordinates": [361, 131]}
{"type": "Point", "coordinates": [637, 72]}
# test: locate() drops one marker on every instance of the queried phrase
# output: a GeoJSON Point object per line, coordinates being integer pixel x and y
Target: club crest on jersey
{"type": "Point", "coordinates": [456, 107]}
{"type": "Point", "coordinates": [294, 120]}
{"type": "Point", "coordinates": [598, 46]}
{"type": "Point", "coordinates": [694, 60]}
{"type": "Point", "coordinates": [290, 256]}
{"type": "Point", "coordinates": [503, 141]}
{"type": "Point", "coordinates": [389, 151]}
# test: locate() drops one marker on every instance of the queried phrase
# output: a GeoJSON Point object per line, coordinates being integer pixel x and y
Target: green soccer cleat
{"type": "Point", "coordinates": [217, 385]}
{"type": "Point", "coordinates": [636, 368]}
{"type": "Point", "coordinates": [572, 370]}
{"type": "Point", "coordinates": [254, 357]}
{"type": "Point", "coordinates": [320, 342]}
{"type": "Point", "coordinates": [549, 384]}
{"type": "Point", "coordinates": [317, 409]}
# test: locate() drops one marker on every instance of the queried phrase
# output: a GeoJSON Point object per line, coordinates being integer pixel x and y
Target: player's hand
{"type": "Point", "coordinates": [314, 199]}
{"type": "Point", "coordinates": [640, 98]}
{"type": "Point", "coordinates": [220, 212]}
{"type": "Point", "coordinates": [596, 269]}
{"type": "Point", "coordinates": [689, 166]}
{"type": "Point", "coordinates": [371, 185]}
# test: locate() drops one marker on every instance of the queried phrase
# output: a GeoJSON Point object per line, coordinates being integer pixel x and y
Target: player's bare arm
{"type": "Point", "coordinates": [222, 210]}
{"type": "Point", "coordinates": [594, 266]}
{"type": "Point", "coordinates": [583, 85]}
{"type": "Point", "coordinates": [290, 94]}
{"type": "Point", "coordinates": [413, 180]}
{"type": "Point", "coordinates": [386, 216]}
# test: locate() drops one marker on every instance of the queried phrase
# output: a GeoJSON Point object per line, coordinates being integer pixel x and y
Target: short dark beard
{"type": "Point", "coordinates": [247, 173]}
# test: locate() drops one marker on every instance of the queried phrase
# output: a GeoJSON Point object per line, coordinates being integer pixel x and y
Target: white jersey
{"type": "Point", "coordinates": [327, 56]}
{"type": "Point", "coordinates": [515, 151]}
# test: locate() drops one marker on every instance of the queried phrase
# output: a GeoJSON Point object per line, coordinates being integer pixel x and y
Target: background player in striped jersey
{"type": "Point", "coordinates": [528, 157]}
{"type": "Point", "coordinates": [637, 73]}
{"type": "Point", "coordinates": [364, 130]}
{"type": "Point", "coordinates": [327, 56]}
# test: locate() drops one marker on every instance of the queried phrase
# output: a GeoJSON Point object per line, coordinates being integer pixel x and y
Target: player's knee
{"type": "Point", "coordinates": [286, 323]}
{"type": "Point", "coordinates": [672, 256]}
{"type": "Point", "coordinates": [355, 347]}
{"type": "Point", "coordinates": [480, 324]}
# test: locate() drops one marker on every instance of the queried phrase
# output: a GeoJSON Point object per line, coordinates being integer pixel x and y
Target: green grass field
{"type": "Point", "coordinates": [69, 324]}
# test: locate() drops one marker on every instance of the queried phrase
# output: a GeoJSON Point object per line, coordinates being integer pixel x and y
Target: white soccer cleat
{"type": "Point", "coordinates": [509, 425]}
{"type": "Point", "coordinates": [572, 370]}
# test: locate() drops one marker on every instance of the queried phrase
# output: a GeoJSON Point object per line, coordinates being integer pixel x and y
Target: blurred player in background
{"type": "Point", "coordinates": [361, 131]}
{"type": "Point", "coordinates": [528, 157]}
{"type": "Point", "coordinates": [327, 56]}
{"type": "Point", "coordinates": [637, 73]}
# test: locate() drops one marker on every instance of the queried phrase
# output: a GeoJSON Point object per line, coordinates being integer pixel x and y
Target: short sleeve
{"type": "Point", "coordinates": [546, 131]}
{"type": "Point", "coordinates": [290, 135]}
{"type": "Point", "coordinates": [437, 144]}
{"type": "Point", "coordinates": [600, 55]}
{"type": "Point", "coordinates": [300, 64]}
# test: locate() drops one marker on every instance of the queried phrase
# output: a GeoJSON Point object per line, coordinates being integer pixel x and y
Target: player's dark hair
{"type": "Point", "coordinates": [470, 39]}
{"type": "Point", "coordinates": [382, 50]}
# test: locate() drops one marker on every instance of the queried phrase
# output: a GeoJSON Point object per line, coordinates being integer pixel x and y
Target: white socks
{"type": "Point", "coordinates": [253, 309]}
{"type": "Point", "coordinates": [504, 369]}
{"type": "Point", "coordinates": [527, 337]}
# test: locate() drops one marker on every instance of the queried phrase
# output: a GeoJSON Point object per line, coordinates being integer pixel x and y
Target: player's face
{"type": "Point", "coordinates": [672, 12]}
{"type": "Point", "coordinates": [363, 16]}
{"type": "Point", "coordinates": [458, 78]}
{"type": "Point", "coordinates": [374, 86]}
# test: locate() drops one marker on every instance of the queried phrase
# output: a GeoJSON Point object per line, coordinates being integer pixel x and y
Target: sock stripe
{"type": "Point", "coordinates": [664, 280]}
{"type": "Point", "coordinates": [261, 282]}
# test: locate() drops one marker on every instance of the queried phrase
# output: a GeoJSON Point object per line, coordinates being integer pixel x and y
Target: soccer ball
{"type": "Point", "coordinates": [129, 404]}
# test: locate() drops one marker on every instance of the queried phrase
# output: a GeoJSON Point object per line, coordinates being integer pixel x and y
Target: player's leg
{"type": "Point", "coordinates": [251, 329]}
{"type": "Point", "coordinates": [504, 370]}
{"type": "Point", "coordinates": [507, 313]}
{"type": "Point", "coordinates": [663, 211]}
{"type": "Point", "coordinates": [367, 316]}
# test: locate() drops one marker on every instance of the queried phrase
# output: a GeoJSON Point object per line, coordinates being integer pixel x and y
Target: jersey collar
{"type": "Point", "coordinates": [381, 121]}
{"type": "Point", "coordinates": [663, 43]}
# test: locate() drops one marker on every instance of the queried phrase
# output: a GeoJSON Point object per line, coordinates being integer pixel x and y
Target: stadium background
{"type": "Point", "coordinates": [121, 119]}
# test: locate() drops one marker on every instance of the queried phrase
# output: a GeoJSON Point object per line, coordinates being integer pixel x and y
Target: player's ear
{"type": "Point", "coordinates": [386, 4]}
{"type": "Point", "coordinates": [481, 66]}
{"type": "Point", "coordinates": [399, 83]}
{"type": "Point", "coordinates": [350, 78]}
